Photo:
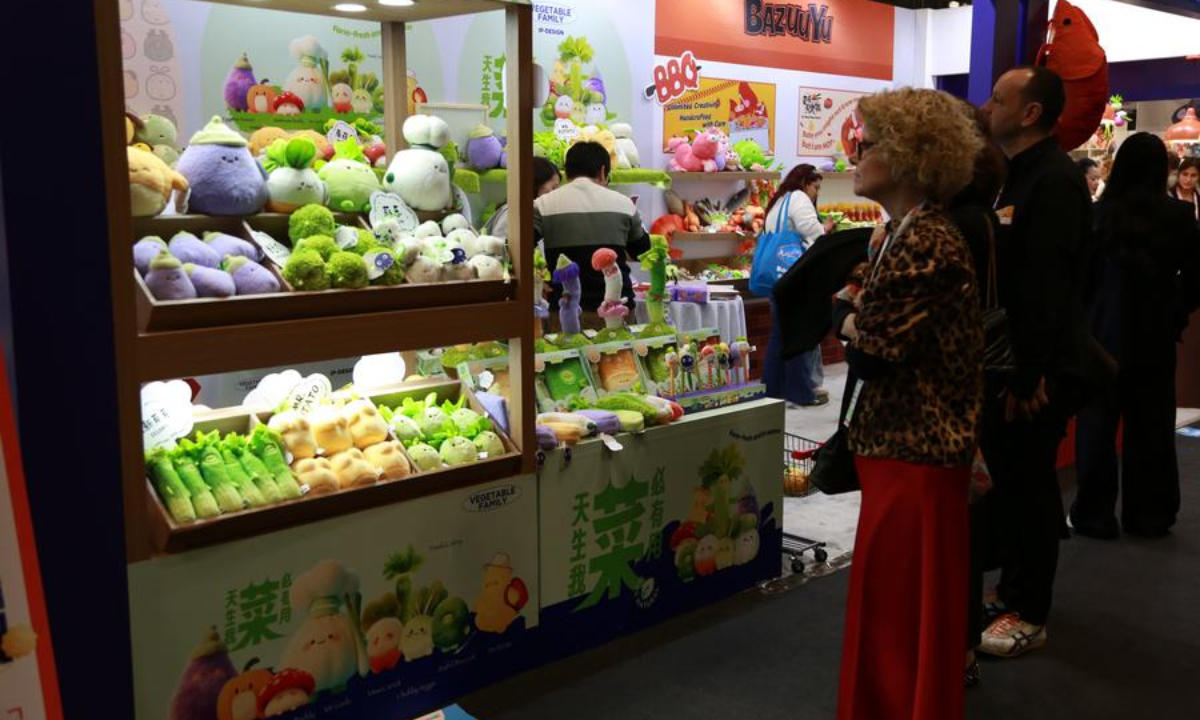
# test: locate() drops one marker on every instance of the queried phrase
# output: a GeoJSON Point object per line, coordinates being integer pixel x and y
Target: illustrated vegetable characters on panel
{"type": "Point", "coordinates": [381, 622]}
{"type": "Point", "coordinates": [238, 84]}
{"type": "Point", "coordinates": [349, 178]}
{"type": "Point", "coordinates": [719, 531]}
{"type": "Point", "coordinates": [199, 690]}
{"type": "Point", "coordinates": [310, 79]}
{"type": "Point", "coordinates": [329, 644]}
{"type": "Point", "coordinates": [613, 309]}
{"type": "Point", "coordinates": [655, 262]}
{"type": "Point", "coordinates": [289, 689]}
{"type": "Point", "coordinates": [566, 274]}
{"type": "Point", "coordinates": [239, 696]}
{"type": "Point", "coordinates": [502, 596]}
{"type": "Point", "coordinates": [291, 181]}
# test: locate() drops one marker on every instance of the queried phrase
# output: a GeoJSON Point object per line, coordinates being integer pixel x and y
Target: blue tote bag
{"type": "Point", "coordinates": [776, 252]}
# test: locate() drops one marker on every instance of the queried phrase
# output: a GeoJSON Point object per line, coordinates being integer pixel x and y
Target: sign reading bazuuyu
{"type": "Point", "coordinates": [812, 23]}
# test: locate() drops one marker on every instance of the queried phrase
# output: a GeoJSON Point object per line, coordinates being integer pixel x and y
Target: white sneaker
{"type": "Point", "coordinates": [1009, 636]}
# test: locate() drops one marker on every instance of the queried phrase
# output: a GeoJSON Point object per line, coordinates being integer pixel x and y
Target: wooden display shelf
{"type": "Point", "coordinates": [170, 537]}
{"type": "Point", "coordinates": [210, 350]}
{"type": "Point", "coordinates": [725, 176]}
{"type": "Point", "coordinates": [159, 316]}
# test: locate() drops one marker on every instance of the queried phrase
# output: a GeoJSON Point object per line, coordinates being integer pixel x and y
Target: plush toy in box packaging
{"type": "Point", "coordinates": [561, 377]}
{"type": "Point", "coordinates": [614, 367]}
{"type": "Point", "coordinates": [658, 358]}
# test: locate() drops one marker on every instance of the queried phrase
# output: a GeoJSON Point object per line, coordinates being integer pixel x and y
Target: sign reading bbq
{"type": "Point", "coordinates": [812, 23]}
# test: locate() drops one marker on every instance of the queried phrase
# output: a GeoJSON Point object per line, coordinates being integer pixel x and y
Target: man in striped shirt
{"type": "Point", "coordinates": [583, 216]}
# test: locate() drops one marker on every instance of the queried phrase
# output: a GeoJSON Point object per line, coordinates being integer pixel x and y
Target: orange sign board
{"type": "Point", "coordinates": [838, 37]}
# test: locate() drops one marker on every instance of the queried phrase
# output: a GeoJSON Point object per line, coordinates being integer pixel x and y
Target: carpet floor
{"type": "Point", "coordinates": [1124, 642]}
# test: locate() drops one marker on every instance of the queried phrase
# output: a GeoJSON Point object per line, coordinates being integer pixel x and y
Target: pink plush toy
{"type": "Point", "coordinates": [699, 156]}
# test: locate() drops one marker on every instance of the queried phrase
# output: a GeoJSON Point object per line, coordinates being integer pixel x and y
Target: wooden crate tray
{"type": "Point", "coordinates": [158, 316]}
{"type": "Point", "coordinates": [170, 537]}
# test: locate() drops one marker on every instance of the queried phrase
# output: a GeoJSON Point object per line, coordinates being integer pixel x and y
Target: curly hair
{"type": "Point", "coordinates": [926, 137]}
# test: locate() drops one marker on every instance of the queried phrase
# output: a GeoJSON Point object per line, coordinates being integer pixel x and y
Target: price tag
{"type": "Point", "coordinates": [486, 379]}
{"type": "Point", "coordinates": [346, 237]}
{"type": "Point", "coordinates": [166, 413]}
{"type": "Point", "coordinates": [390, 206]}
{"type": "Point", "coordinates": [277, 251]}
{"type": "Point", "coordinates": [565, 130]}
{"type": "Point", "coordinates": [388, 232]}
{"type": "Point", "coordinates": [611, 443]}
{"type": "Point", "coordinates": [340, 131]}
{"type": "Point", "coordinates": [309, 393]}
{"type": "Point", "coordinates": [378, 263]}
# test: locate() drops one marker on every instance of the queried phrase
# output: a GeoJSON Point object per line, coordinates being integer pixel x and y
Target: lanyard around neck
{"type": "Point", "coordinates": [900, 230]}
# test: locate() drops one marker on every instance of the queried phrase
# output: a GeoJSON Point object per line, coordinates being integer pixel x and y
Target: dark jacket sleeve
{"type": "Point", "coordinates": [537, 226]}
{"type": "Point", "coordinates": [1189, 271]}
{"type": "Point", "coordinates": [638, 240]}
{"type": "Point", "coordinates": [1051, 273]}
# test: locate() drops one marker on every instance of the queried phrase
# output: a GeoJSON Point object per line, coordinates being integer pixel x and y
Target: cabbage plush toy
{"type": "Point", "coordinates": [349, 178]}
{"type": "Point", "coordinates": [224, 177]}
{"type": "Point", "coordinates": [421, 175]}
{"type": "Point", "coordinates": [291, 181]}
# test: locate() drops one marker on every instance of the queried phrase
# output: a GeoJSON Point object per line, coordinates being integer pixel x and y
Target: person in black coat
{"type": "Point", "coordinates": [1146, 282]}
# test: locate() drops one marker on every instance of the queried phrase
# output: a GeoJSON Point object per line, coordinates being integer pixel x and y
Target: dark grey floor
{"type": "Point", "coordinates": [1124, 644]}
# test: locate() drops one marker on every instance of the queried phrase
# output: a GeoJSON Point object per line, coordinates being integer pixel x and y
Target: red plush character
{"type": "Point", "coordinates": [1073, 51]}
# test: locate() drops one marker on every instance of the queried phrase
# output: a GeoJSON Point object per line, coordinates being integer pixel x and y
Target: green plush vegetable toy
{"type": "Point", "coordinates": [366, 242]}
{"type": "Point", "coordinates": [235, 451]}
{"type": "Point", "coordinates": [169, 486]}
{"type": "Point", "coordinates": [305, 270]}
{"type": "Point", "coordinates": [346, 270]}
{"type": "Point", "coordinates": [655, 261]}
{"type": "Point", "coordinates": [189, 473]}
{"type": "Point", "coordinates": [323, 245]}
{"type": "Point", "coordinates": [751, 155]}
{"type": "Point", "coordinates": [256, 494]}
{"type": "Point", "coordinates": [212, 469]}
{"type": "Point", "coordinates": [267, 446]}
{"type": "Point", "coordinates": [628, 401]}
{"type": "Point", "coordinates": [311, 220]}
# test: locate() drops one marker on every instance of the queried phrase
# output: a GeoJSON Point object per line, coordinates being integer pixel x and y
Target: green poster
{"type": "Point", "coordinates": [385, 613]}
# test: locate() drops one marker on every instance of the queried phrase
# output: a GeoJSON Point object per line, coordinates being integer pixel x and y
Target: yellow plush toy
{"type": "Point", "coordinates": [591, 133]}
{"type": "Point", "coordinates": [150, 182]}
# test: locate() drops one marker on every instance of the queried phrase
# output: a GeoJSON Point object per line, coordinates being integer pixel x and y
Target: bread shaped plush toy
{"type": "Point", "coordinates": [367, 426]}
{"type": "Point", "coordinates": [420, 175]}
{"type": "Point", "coordinates": [151, 182]}
{"type": "Point", "coordinates": [389, 459]}
{"type": "Point", "coordinates": [352, 469]}
{"type": "Point", "coordinates": [296, 433]}
{"type": "Point", "coordinates": [225, 178]}
{"type": "Point", "coordinates": [331, 430]}
{"type": "Point", "coordinates": [318, 475]}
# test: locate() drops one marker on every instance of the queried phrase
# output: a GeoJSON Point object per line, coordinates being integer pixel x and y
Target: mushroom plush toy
{"type": "Point", "coordinates": [288, 690]}
{"type": "Point", "coordinates": [613, 309]}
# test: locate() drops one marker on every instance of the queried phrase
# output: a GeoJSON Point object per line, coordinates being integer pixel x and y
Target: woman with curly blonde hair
{"type": "Point", "coordinates": [912, 316]}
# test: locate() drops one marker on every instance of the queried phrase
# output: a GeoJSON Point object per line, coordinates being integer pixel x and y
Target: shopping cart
{"type": "Point", "coordinates": [798, 462]}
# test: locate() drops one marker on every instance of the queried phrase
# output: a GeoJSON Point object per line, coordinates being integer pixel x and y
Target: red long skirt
{"type": "Point", "coordinates": [906, 617]}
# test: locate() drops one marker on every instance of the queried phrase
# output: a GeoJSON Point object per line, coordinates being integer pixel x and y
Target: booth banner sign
{"type": "Point", "coordinates": [829, 123]}
{"type": "Point", "coordinates": [837, 37]}
{"type": "Point", "coordinates": [682, 516]}
{"type": "Point", "coordinates": [392, 612]}
{"type": "Point", "coordinates": [742, 110]}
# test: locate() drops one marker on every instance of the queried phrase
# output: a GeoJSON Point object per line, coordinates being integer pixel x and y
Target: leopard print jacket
{"type": "Point", "coordinates": [921, 313]}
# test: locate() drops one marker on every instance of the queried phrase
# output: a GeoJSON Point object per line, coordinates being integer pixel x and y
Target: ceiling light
{"type": "Point", "coordinates": [350, 7]}
{"type": "Point", "coordinates": [953, 3]}
{"type": "Point", "coordinates": [398, 3]}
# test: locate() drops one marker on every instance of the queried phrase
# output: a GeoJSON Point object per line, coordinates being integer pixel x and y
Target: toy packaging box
{"type": "Point", "coordinates": [561, 377]}
{"type": "Point", "coordinates": [651, 354]}
{"type": "Point", "coordinates": [615, 368]}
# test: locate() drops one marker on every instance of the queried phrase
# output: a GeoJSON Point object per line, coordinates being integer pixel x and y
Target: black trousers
{"type": "Point", "coordinates": [1019, 524]}
{"type": "Point", "coordinates": [1144, 396]}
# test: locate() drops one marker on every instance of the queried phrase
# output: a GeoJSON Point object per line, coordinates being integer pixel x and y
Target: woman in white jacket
{"type": "Point", "coordinates": [798, 381]}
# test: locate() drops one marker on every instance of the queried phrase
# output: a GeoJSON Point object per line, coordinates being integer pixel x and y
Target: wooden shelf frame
{"type": "Point", "coordinates": [724, 176]}
{"type": "Point", "coordinates": [142, 357]}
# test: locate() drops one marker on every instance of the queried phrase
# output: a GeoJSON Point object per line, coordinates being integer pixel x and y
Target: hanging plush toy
{"type": "Point", "coordinates": [566, 274]}
{"type": "Point", "coordinates": [613, 309]}
{"type": "Point", "coordinates": [1073, 51]}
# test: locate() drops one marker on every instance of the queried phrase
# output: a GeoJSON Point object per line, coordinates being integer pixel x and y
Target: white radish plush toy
{"type": "Point", "coordinates": [454, 222]}
{"type": "Point", "coordinates": [485, 245]}
{"type": "Point", "coordinates": [421, 175]}
{"type": "Point", "coordinates": [428, 230]}
{"type": "Point", "coordinates": [627, 152]}
{"type": "Point", "coordinates": [486, 267]}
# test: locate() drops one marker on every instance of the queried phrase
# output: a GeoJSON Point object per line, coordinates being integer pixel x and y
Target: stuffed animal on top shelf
{"type": "Point", "coordinates": [224, 177]}
{"type": "Point", "coordinates": [591, 133]}
{"type": "Point", "coordinates": [697, 156]}
{"type": "Point", "coordinates": [485, 150]}
{"type": "Point", "coordinates": [627, 152]}
{"type": "Point", "coordinates": [151, 182]}
{"type": "Point", "coordinates": [349, 179]}
{"type": "Point", "coordinates": [291, 180]}
{"type": "Point", "coordinates": [159, 134]}
{"type": "Point", "coordinates": [420, 175]}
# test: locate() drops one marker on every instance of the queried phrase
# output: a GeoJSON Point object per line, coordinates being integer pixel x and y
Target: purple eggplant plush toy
{"type": "Point", "coordinates": [229, 245]}
{"type": "Point", "coordinates": [210, 282]}
{"type": "Point", "coordinates": [188, 248]}
{"type": "Point", "coordinates": [249, 277]}
{"type": "Point", "coordinates": [224, 177]}
{"type": "Point", "coordinates": [144, 252]}
{"type": "Point", "coordinates": [167, 279]}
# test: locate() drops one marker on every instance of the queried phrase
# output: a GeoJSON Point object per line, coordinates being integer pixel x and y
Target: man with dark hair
{"type": "Point", "coordinates": [1043, 241]}
{"type": "Point", "coordinates": [584, 216]}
